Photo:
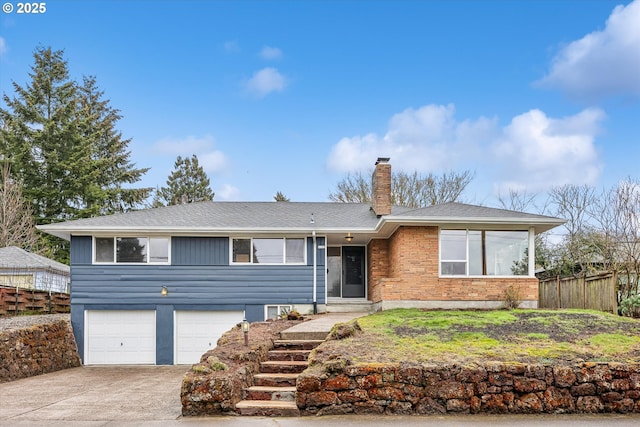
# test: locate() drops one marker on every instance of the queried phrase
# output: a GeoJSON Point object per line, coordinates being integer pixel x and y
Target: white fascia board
{"type": "Point", "coordinates": [540, 224]}
{"type": "Point", "coordinates": [67, 232]}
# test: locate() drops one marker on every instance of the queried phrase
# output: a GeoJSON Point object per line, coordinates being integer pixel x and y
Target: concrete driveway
{"type": "Point", "coordinates": [93, 395]}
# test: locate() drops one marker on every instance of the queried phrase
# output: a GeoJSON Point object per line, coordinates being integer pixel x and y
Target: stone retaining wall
{"type": "Point", "coordinates": [37, 349]}
{"type": "Point", "coordinates": [406, 389]}
{"type": "Point", "coordinates": [217, 383]}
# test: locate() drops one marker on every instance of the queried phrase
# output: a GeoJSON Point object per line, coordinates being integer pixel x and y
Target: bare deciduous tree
{"type": "Point", "coordinates": [617, 214]}
{"type": "Point", "coordinates": [575, 203]}
{"type": "Point", "coordinates": [412, 190]}
{"type": "Point", "coordinates": [16, 220]}
{"type": "Point", "coordinates": [518, 200]}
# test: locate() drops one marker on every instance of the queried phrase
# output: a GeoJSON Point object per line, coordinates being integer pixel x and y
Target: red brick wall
{"type": "Point", "coordinates": [405, 268]}
{"type": "Point", "coordinates": [381, 189]}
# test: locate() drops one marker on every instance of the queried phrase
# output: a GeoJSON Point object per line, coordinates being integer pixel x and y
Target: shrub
{"type": "Point", "coordinates": [511, 297]}
{"type": "Point", "coordinates": [630, 307]}
{"type": "Point", "coordinates": [216, 364]}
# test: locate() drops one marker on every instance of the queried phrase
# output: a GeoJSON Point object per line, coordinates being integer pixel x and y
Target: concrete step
{"type": "Point", "coordinates": [304, 335]}
{"type": "Point", "coordinates": [268, 408]}
{"type": "Point", "coordinates": [275, 380]}
{"type": "Point", "coordinates": [346, 305]}
{"type": "Point", "coordinates": [257, 392]}
{"type": "Point", "coordinates": [289, 354]}
{"type": "Point", "coordinates": [283, 367]}
{"type": "Point", "coordinates": [286, 344]}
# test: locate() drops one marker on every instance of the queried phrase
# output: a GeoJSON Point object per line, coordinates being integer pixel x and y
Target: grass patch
{"type": "Point", "coordinates": [526, 336]}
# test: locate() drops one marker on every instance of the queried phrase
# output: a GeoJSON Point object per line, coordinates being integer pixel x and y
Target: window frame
{"type": "Point", "coordinates": [284, 250]}
{"type": "Point", "coordinates": [131, 236]}
{"type": "Point", "coordinates": [530, 246]}
{"type": "Point", "coordinates": [279, 308]}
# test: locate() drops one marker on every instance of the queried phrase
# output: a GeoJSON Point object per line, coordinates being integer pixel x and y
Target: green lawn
{"type": "Point", "coordinates": [528, 336]}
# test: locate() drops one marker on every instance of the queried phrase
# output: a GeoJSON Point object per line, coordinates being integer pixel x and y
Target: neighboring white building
{"type": "Point", "coordinates": [22, 269]}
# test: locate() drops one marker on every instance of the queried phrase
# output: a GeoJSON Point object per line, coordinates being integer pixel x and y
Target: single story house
{"type": "Point", "coordinates": [23, 269]}
{"type": "Point", "coordinates": [158, 286]}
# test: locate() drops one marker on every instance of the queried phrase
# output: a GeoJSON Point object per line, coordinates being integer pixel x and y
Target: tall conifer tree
{"type": "Point", "coordinates": [61, 140]}
{"type": "Point", "coordinates": [187, 183]}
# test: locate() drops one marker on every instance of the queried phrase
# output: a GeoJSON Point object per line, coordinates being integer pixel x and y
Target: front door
{"type": "Point", "coordinates": [353, 272]}
{"type": "Point", "coordinates": [345, 272]}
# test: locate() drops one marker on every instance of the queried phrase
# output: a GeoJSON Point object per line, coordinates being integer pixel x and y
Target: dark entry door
{"type": "Point", "coordinates": [353, 272]}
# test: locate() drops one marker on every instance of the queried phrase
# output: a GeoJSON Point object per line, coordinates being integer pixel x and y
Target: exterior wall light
{"type": "Point", "coordinates": [245, 331]}
{"type": "Point", "coordinates": [348, 237]}
{"type": "Point", "coordinates": [164, 291]}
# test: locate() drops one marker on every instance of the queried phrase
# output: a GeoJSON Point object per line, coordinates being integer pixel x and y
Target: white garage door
{"type": "Point", "coordinates": [196, 332]}
{"type": "Point", "coordinates": [120, 337]}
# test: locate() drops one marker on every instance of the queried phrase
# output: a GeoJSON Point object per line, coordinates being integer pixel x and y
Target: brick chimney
{"type": "Point", "coordinates": [381, 187]}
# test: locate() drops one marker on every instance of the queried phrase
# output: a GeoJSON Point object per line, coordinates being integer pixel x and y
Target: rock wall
{"type": "Point", "coordinates": [217, 383]}
{"type": "Point", "coordinates": [406, 389]}
{"type": "Point", "coordinates": [37, 349]}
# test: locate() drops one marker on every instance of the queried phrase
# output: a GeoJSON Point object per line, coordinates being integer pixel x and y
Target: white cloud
{"type": "Point", "coordinates": [3, 46]}
{"type": "Point", "coordinates": [426, 139]}
{"type": "Point", "coordinates": [270, 53]}
{"type": "Point", "coordinates": [536, 152]}
{"type": "Point", "coordinates": [210, 159]}
{"type": "Point", "coordinates": [265, 81]}
{"type": "Point", "coordinates": [231, 46]}
{"type": "Point", "coordinates": [533, 151]}
{"type": "Point", "coordinates": [602, 63]}
{"type": "Point", "coordinates": [213, 161]}
{"type": "Point", "coordinates": [227, 192]}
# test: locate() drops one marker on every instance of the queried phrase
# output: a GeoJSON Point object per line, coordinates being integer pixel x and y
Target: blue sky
{"type": "Point", "coordinates": [291, 95]}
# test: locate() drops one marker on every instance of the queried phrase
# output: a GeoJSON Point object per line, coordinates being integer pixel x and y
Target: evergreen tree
{"type": "Point", "coordinates": [111, 165]}
{"type": "Point", "coordinates": [61, 140]}
{"type": "Point", "coordinates": [280, 197]}
{"type": "Point", "coordinates": [187, 183]}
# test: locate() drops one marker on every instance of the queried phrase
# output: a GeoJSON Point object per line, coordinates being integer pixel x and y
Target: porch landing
{"type": "Point", "coordinates": [349, 305]}
{"type": "Point", "coordinates": [317, 329]}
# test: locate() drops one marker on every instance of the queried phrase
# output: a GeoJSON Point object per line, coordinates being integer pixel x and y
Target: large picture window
{"type": "Point", "coordinates": [268, 251]}
{"type": "Point", "coordinates": [484, 253]}
{"type": "Point", "coordinates": [131, 250]}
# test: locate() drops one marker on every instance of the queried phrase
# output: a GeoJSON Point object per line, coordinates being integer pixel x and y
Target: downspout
{"type": "Point", "coordinates": [315, 273]}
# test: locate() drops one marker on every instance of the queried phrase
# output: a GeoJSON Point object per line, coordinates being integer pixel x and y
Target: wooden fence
{"type": "Point", "coordinates": [15, 301]}
{"type": "Point", "coordinates": [597, 292]}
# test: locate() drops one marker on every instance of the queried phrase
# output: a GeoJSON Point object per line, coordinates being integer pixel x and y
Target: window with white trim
{"type": "Point", "coordinates": [131, 250]}
{"type": "Point", "coordinates": [484, 253]}
{"type": "Point", "coordinates": [268, 250]}
{"type": "Point", "coordinates": [276, 311]}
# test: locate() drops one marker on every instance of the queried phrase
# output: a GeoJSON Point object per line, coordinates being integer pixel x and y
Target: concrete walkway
{"type": "Point", "coordinates": [318, 329]}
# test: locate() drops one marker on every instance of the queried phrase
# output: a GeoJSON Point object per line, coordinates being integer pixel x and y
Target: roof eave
{"type": "Point", "coordinates": [66, 233]}
{"type": "Point", "coordinates": [539, 224]}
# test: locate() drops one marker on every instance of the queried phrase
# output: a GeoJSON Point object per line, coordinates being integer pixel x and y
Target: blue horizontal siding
{"type": "Point", "coordinates": [251, 284]}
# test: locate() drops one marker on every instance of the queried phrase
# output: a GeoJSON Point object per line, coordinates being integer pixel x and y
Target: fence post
{"type": "Point", "coordinates": [584, 291]}
{"type": "Point", "coordinates": [559, 293]}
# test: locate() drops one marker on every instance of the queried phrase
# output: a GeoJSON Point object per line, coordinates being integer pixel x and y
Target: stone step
{"type": "Point", "coordinates": [289, 354]}
{"type": "Point", "coordinates": [283, 367]}
{"type": "Point", "coordinates": [297, 344]}
{"type": "Point", "coordinates": [268, 408]}
{"type": "Point", "coordinates": [275, 380]}
{"type": "Point", "coordinates": [257, 392]}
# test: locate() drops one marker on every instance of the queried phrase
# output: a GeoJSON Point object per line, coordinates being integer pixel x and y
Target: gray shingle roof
{"type": "Point", "coordinates": [14, 257]}
{"type": "Point", "coordinates": [223, 217]}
